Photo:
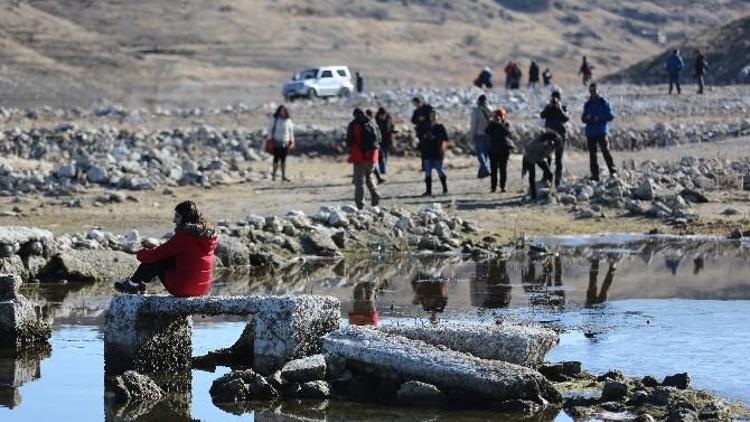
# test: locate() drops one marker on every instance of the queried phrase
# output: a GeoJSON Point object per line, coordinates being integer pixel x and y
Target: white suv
{"type": "Point", "coordinates": [325, 81]}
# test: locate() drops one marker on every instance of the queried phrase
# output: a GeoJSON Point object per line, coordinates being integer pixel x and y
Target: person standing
{"type": "Point", "coordinates": [508, 69]}
{"type": "Point", "coordinates": [498, 132]}
{"type": "Point", "coordinates": [597, 114]}
{"type": "Point", "coordinates": [675, 64]}
{"type": "Point", "coordinates": [421, 121]}
{"type": "Point", "coordinates": [535, 154]}
{"type": "Point", "coordinates": [387, 129]}
{"type": "Point", "coordinates": [555, 115]}
{"type": "Point", "coordinates": [363, 138]}
{"type": "Point", "coordinates": [378, 175]}
{"type": "Point", "coordinates": [480, 118]}
{"type": "Point", "coordinates": [281, 137]}
{"type": "Point", "coordinates": [586, 71]}
{"type": "Point", "coordinates": [484, 80]}
{"type": "Point", "coordinates": [547, 77]}
{"type": "Point", "coordinates": [533, 75]}
{"type": "Point", "coordinates": [433, 151]}
{"type": "Point", "coordinates": [360, 82]}
{"type": "Point", "coordinates": [701, 66]}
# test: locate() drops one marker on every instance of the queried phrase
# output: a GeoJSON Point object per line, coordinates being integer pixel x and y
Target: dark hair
{"type": "Point", "coordinates": [369, 114]}
{"type": "Point", "coordinates": [189, 213]}
{"type": "Point", "coordinates": [279, 111]}
{"type": "Point", "coordinates": [416, 100]}
{"type": "Point", "coordinates": [556, 94]}
{"type": "Point", "coordinates": [381, 110]}
{"type": "Point", "coordinates": [482, 99]}
{"type": "Point", "coordinates": [592, 85]}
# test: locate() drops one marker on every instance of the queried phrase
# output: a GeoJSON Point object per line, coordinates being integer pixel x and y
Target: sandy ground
{"type": "Point", "coordinates": [328, 181]}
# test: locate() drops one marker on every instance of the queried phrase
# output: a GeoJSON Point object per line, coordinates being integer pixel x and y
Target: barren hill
{"type": "Point", "coordinates": [78, 52]}
{"type": "Point", "coordinates": [727, 50]}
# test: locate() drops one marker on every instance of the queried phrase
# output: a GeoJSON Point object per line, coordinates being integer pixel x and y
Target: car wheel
{"type": "Point", "coordinates": [312, 94]}
{"type": "Point", "coordinates": [344, 92]}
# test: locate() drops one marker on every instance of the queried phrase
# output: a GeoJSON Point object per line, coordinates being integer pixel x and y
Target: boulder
{"type": "Point", "coordinates": [522, 344]}
{"type": "Point", "coordinates": [415, 393]}
{"type": "Point", "coordinates": [90, 266]}
{"type": "Point", "coordinates": [311, 368]}
{"type": "Point", "coordinates": [21, 323]}
{"type": "Point", "coordinates": [232, 252]}
{"type": "Point", "coordinates": [390, 356]}
{"type": "Point", "coordinates": [614, 391]}
{"type": "Point", "coordinates": [314, 390]}
{"type": "Point", "coordinates": [132, 386]}
{"type": "Point", "coordinates": [679, 381]}
{"type": "Point", "coordinates": [319, 243]}
{"type": "Point", "coordinates": [241, 386]}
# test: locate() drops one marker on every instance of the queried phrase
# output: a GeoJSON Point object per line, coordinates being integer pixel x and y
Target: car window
{"type": "Point", "coordinates": [309, 74]}
{"type": "Point", "coordinates": [326, 74]}
{"type": "Point", "coordinates": [341, 73]}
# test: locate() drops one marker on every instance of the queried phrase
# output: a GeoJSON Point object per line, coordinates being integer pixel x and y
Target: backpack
{"type": "Point", "coordinates": [370, 137]}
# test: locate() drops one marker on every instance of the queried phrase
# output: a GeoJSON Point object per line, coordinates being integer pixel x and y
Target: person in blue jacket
{"type": "Point", "coordinates": [675, 64]}
{"type": "Point", "coordinates": [597, 113]}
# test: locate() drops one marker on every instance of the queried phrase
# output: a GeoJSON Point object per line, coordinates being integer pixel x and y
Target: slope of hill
{"type": "Point", "coordinates": [79, 52]}
{"type": "Point", "coordinates": [727, 49]}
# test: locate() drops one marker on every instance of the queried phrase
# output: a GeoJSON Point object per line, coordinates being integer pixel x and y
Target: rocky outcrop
{"type": "Point", "coordinates": [132, 386]}
{"type": "Point", "coordinates": [90, 266]}
{"type": "Point", "coordinates": [21, 324]}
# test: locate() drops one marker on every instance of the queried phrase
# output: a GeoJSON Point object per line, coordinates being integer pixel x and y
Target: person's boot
{"type": "Point", "coordinates": [126, 285]}
{"type": "Point", "coordinates": [444, 182]}
{"type": "Point", "coordinates": [273, 173]}
{"type": "Point", "coordinates": [283, 172]}
{"type": "Point", "coordinates": [428, 186]}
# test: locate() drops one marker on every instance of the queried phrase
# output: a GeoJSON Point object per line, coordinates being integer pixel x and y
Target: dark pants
{"type": "Point", "coordinates": [147, 272]}
{"type": "Point", "coordinates": [279, 155]}
{"type": "Point", "coordinates": [531, 168]}
{"type": "Point", "coordinates": [499, 162]}
{"type": "Point", "coordinates": [603, 144]}
{"type": "Point", "coordinates": [701, 83]}
{"type": "Point", "coordinates": [383, 160]}
{"type": "Point", "coordinates": [674, 81]}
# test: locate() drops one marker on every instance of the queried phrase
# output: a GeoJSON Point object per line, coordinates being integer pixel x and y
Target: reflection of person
{"type": "Point", "coordinates": [498, 285]}
{"type": "Point", "coordinates": [592, 297]}
{"type": "Point", "coordinates": [698, 264]}
{"type": "Point", "coordinates": [432, 295]}
{"type": "Point", "coordinates": [364, 311]}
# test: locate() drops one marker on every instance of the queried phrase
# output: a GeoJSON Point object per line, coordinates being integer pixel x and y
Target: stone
{"type": "Point", "coordinates": [562, 371]}
{"type": "Point", "coordinates": [232, 252]}
{"type": "Point", "coordinates": [21, 324]}
{"type": "Point", "coordinates": [613, 374]}
{"type": "Point", "coordinates": [241, 386]}
{"type": "Point", "coordinates": [586, 214]}
{"type": "Point", "coordinates": [694, 196]}
{"type": "Point", "coordinates": [391, 356]}
{"type": "Point", "coordinates": [730, 211]}
{"type": "Point", "coordinates": [311, 368]}
{"type": "Point", "coordinates": [132, 386]}
{"type": "Point", "coordinates": [567, 199]}
{"type": "Point", "coordinates": [415, 393]}
{"type": "Point", "coordinates": [314, 390]}
{"type": "Point", "coordinates": [679, 381]}
{"type": "Point", "coordinates": [649, 381]}
{"type": "Point", "coordinates": [96, 174]}
{"type": "Point", "coordinates": [319, 243]}
{"type": "Point", "coordinates": [339, 238]}
{"type": "Point", "coordinates": [90, 266]}
{"type": "Point", "coordinates": [614, 391]}
{"type": "Point", "coordinates": [522, 344]}
{"type": "Point", "coordinates": [18, 235]}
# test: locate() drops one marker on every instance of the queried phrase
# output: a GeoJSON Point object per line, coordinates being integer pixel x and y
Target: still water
{"type": "Point", "coordinates": [645, 307]}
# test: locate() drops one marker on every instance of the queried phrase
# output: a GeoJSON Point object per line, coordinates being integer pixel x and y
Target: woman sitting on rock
{"type": "Point", "coordinates": [184, 263]}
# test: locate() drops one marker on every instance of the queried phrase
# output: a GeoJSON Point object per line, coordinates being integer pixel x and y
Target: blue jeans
{"type": "Point", "coordinates": [430, 164]}
{"type": "Point", "coordinates": [482, 147]}
{"type": "Point", "coordinates": [383, 160]}
{"type": "Point", "coordinates": [674, 80]}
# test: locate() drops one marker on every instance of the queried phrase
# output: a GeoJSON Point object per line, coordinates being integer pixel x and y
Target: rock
{"type": "Point", "coordinates": [567, 199]}
{"type": "Point", "coordinates": [132, 386]}
{"type": "Point", "coordinates": [415, 393]}
{"type": "Point", "coordinates": [561, 372]}
{"type": "Point", "coordinates": [90, 266]}
{"type": "Point", "coordinates": [614, 391]}
{"type": "Point", "coordinates": [694, 196]}
{"type": "Point", "coordinates": [644, 418]}
{"type": "Point", "coordinates": [319, 243]}
{"type": "Point", "coordinates": [314, 390]}
{"type": "Point", "coordinates": [338, 219]}
{"type": "Point", "coordinates": [682, 415]}
{"type": "Point", "coordinates": [339, 238]}
{"type": "Point", "coordinates": [232, 252]}
{"type": "Point", "coordinates": [21, 324]}
{"type": "Point", "coordinates": [311, 368]}
{"type": "Point", "coordinates": [730, 211]}
{"type": "Point", "coordinates": [241, 386]}
{"type": "Point", "coordinates": [585, 214]}
{"type": "Point", "coordinates": [614, 374]}
{"type": "Point", "coordinates": [521, 345]}
{"type": "Point", "coordinates": [679, 381]}
{"type": "Point", "coordinates": [96, 174]}
{"type": "Point", "coordinates": [388, 355]}
{"type": "Point", "coordinates": [646, 191]}
{"type": "Point", "coordinates": [649, 381]}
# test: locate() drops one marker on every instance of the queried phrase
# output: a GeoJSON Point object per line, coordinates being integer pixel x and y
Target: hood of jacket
{"type": "Point", "coordinates": [207, 236]}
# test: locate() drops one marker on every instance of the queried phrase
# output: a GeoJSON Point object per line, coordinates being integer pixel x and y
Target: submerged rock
{"type": "Point", "coordinates": [132, 386]}
{"type": "Point", "coordinates": [241, 386]}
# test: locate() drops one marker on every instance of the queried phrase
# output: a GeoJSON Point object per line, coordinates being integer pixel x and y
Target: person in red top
{"type": "Point", "coordinates": [184, 263]}
{"type": "Point", "coordinates": [363, 138]}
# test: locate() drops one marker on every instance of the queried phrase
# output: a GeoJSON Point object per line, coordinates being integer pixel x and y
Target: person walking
{"type": "Point", "coordinates": [378, 175]}
{"type": "Point", "coordinates": [586, 71]}
{"type": "Point", "coordinates": [433, 151]}
{"type": "Point", "coordinates": [360, 82]}
{"type": "Point", "coordinates": [535, 154]}
{"type": "Point", "coordinates": [480, 118]}
{"type": "Point", "coordinates": [555, 115]}
{"type": "Point", "coordinates": [363, 139]}
{"type": "Point", "coordinates": [597, 114]}
{"type": "Point", "coordinates": [420, 118]}
{"type": "Point", "coordinates": [533, 75]}
{"type": "Point", "coordinates": [387, 130]}
{"type": "Point", "coordinates": [280, 140]}
{"type": "Point", "coordinates": [498, 132]}
{"type": "Point", "coordinates": [184, 263]}
{"type": "Point", "coordinates": [675, 64]}
{"type": "Point", "coordinates": [701, 66]}
{"type": "Point", "coordinates": [547, 77]}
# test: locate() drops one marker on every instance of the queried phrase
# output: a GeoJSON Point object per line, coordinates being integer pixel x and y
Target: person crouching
{"type": "Point", "coordinates": [535, 154]}
{"type": "Point", "coordinates": [184, 263]}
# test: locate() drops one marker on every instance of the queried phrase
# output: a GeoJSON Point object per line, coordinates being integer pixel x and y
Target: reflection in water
{"type": "Point", "coordinates": [432, 294]}
{"type": "Point", "coordinates": [547, 288]}
{"type": "Point", "coordinates": [592, 297]}
{"type": "Point", "coordinates": [698, 264]}
{"type": "Point", "coordinates": [490, 286]}
{"type": "Point", "coordinates": [364, 309]}
{"type": "Point", "coordinates": [17, 367]}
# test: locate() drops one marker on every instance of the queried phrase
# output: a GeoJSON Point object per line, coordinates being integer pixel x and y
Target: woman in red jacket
{"type": "Point", "coordinates": [184, 263]}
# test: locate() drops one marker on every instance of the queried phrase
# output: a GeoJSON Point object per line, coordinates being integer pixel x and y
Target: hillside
{"type": "Point", "coordinates": [74, 52]}
{"type": "Point", "coordinates": [727, 49]}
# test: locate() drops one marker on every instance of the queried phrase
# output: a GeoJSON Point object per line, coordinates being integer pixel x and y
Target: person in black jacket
{"type": "Point", "coordinates": [385, 123]}
{"type": "Point", "coordinates": [498, 132]}
{"type": "Point", "coordinates": [433, 152]}
{"type": "Point", "coordinates": [555, 115]}
{"type": "Point", "coordinates": [533, 75]}
{"type": "Point", "coordinates": [701, 66]}
{"type": "Point", "coordinates": [421, 120]}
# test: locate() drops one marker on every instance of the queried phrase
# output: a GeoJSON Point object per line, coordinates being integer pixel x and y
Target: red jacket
{"type": "Point", "coordinates": [192, 248]}
{"type": "Point", "coordinates": [356, 154]}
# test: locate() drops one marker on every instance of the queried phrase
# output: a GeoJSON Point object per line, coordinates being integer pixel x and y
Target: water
{"type": "Point", "coordinates": [645, 307]}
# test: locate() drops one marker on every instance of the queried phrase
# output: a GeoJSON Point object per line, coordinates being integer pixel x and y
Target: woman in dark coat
{"type": "Point", "coordinates": [433, 147]}
{"type": "Point", "coordinates": [498, 132]}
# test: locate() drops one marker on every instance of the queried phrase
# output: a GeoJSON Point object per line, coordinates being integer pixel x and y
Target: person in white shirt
{"type": "Point", "coordinates": [281, 137]}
